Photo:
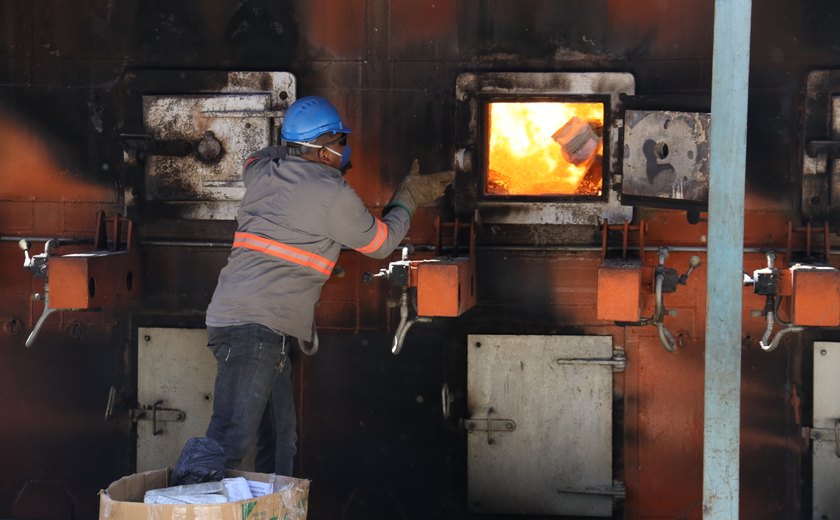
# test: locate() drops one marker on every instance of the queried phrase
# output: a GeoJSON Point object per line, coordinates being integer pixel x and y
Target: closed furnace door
{"type": "Point", "coordinates": [539, 435]}
{"type": "Point", "coordinates": [825, 443]}
{"type": "Point", "coordinates": [175, 377]}
{"type": "Point", "coordinates": [228, 127]}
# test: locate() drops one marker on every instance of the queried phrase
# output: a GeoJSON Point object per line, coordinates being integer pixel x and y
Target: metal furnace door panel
{"type": "Point", "coordinates": [177, 370]}
{"type": "Point", "coordinates": [821, 131]}
{"type": "Point", "coordinates": [225, 127]}
{"type": "Point", "coordinates": [666, 158]}
{"type": "Point", "coordinates": [539, 437]}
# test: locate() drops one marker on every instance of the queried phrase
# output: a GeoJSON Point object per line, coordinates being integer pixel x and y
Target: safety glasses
{"type": "Point", "coordinates": [341, 140]}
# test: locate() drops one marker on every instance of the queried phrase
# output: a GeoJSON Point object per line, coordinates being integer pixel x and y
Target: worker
{"type": "Point", "coordinates": [296, 214]}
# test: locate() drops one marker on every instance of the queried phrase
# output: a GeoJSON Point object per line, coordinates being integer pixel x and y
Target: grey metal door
{"type": "Point", "coordinates": [826, 429]}
{"type": "Point", "coordinates": [175, 377]}
{"type": "Point", "coordinates": [539, 435]}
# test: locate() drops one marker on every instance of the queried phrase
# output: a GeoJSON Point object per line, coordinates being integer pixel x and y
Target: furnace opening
{"type": "Point", "coordinates": [544, 148]}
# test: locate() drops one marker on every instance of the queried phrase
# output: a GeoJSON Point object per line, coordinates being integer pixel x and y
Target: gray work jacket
{"type": "Point", "coordinates": [293, 220]}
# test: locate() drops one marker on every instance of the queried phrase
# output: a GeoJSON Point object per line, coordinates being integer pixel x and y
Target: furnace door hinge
{"type": "Point", "coordinates": [617, 361]}
{"type": "Point", "coordinates": [617, 490]}
{"type": "Point", "coordinates": [156, 413]}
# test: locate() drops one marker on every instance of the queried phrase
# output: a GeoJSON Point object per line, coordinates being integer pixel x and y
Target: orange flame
{"type": "Point", "coordinates": [524, 158]}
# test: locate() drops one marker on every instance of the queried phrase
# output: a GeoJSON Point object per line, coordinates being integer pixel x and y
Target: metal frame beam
{"type": "Point", "coordinates": [722, 404]}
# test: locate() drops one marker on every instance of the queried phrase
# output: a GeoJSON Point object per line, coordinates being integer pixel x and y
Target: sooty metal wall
{"type": "Point", "coordinates": [373, 437]}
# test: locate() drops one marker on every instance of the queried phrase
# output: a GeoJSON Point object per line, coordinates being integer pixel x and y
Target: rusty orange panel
{"type": "Point", "coordinates": [785, 282]}
{"type": "Point", "coordinates": [91, 280]}
{"type": "Point", "coordinates": [445, 287]}
{"type": "Point", "coordinates": [816, 296]}
{"type": "Point", "coordinates": [619, 291]}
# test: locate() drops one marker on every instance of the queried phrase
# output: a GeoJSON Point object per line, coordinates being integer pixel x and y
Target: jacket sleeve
{"type": "Point", "coordinates": [260, 158]}
{"type": "Point", "coordinates": [352, 225]}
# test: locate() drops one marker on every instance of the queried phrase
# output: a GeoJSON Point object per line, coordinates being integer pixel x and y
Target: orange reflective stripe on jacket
{"type": "Point", "coordinates": [381, 235]}
{"type": "Point", "coordinates": [292, 254]}
{"type": "Point", "coordinates": [249, 160]}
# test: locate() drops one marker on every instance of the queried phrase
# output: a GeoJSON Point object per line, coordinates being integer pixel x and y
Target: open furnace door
{"type": "Point", "coordinates": [539, 438]}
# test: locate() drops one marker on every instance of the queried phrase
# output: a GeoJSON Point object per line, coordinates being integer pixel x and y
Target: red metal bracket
{"type": "Point", "coordinates": [809, 230]}
{"type": "Point", "coordinates": [625, 229]}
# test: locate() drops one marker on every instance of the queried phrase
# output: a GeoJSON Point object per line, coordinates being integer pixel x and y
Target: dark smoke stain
{"type": "Point", "coordinates": [818, 26]}
{"type": "Point", "coordinates": [263, 33]}
{"type": "Point", "coordinates": [164, 25]}
{"type": "Point", "coordinates": [642, 49]}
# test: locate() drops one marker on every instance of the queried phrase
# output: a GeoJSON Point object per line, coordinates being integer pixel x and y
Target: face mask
{"type": "Point", "coordinates": [344, 169]}
{"type": "Point", "coordinates": [345, 156]}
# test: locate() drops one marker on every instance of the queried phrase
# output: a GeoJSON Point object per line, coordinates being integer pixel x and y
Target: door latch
{"type": "Point", "coordinates": [156, 413]}
{"type": "Point", "coordinates": [828, 434]}
{"type": "Point", "coordinates": [489, 424]}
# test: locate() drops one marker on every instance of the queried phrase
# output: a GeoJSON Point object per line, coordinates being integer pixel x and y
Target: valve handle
{"type": "Point", "coordinates": [368, 277]}
{"type": "Point", "coordinates": [27, 260]}
{"type": "Point", "coordinates": [693, 263]}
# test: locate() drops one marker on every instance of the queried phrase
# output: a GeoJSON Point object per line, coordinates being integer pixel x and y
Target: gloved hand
{"type": "Point", "coordinates": [417, 190]}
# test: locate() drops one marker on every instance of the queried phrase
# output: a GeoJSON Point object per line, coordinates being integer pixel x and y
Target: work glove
{"type": "Point", "coordinates": [417, 190]}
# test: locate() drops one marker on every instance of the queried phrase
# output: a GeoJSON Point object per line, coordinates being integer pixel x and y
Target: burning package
{"type": "Point", "coordinates": [578, 141]}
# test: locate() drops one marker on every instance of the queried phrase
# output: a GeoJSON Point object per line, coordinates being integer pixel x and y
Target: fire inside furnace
{"type": "Point", "coordinates": [545, 148]}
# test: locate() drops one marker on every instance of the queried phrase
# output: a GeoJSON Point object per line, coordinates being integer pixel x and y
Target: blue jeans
{"type": "Point", "coordinates": [253, 399]}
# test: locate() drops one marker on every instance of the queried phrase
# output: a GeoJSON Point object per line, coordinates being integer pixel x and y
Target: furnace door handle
{"type": "Point", "coordinates": [822, 434]}
{"type": "Point", "coordinates": [158, 414]}
{"type": "Point", "coordinates": [489, 424]}
{"type": "Point", "coordinates": [814, 148]}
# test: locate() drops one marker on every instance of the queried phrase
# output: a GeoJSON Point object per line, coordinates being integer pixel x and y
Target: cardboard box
{"type": "Point", "coordinates": [123, 500]}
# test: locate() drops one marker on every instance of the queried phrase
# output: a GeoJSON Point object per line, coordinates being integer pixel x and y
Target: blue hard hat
{"type": "Point", "coordinates": [309, 117]}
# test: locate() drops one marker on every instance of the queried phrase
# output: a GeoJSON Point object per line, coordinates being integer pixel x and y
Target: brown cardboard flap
{"type": "Point", "coordinates": [133, 487]}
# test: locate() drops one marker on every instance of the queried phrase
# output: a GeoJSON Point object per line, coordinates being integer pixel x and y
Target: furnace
{"type": "Point", "coordinates": [541, 148]}
{"type": "Point", "coordinates": [538, 150]}
{"type": "Point", "coordinates": [544, 148]}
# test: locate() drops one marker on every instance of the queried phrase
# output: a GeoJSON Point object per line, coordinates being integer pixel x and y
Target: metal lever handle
{"type": "Point", "coordinates": [693, 263]}
{"type": "Point", "coordinates": [47, 311]}
{"type": "Point", "coordinates": [43, 267]}
{"type": "Point", "coordinates": [155, 430]}
{"type": "Point", "coordinates": [27, 260]}
{"type": "Point", "coordinates": [814, 148]}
